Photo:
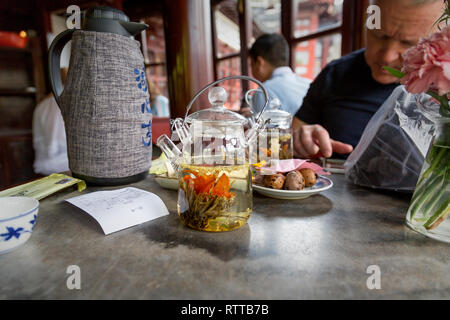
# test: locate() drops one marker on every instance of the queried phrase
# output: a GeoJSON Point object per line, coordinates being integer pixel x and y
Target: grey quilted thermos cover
{"type": "Point", "coordinates": [105, 106]}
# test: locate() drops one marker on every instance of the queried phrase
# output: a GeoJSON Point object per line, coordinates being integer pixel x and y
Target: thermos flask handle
{"type": "Point", "coordinates": [54, 62]}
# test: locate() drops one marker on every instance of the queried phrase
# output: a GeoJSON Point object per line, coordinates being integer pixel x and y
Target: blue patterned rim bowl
{"type": "Point", "coordinates": [17, 220]}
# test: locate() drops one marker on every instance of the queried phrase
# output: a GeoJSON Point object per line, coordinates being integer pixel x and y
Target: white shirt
{"type": "Point", "coordinates": [49, 138]}
{"type": "Point", "coordinates": [160, 106]}
{"type": "Point", "coordinates": [285, 85]}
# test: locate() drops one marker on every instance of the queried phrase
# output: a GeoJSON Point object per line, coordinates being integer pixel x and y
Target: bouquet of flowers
{"type": "Point", "coordinates": [426, 70]}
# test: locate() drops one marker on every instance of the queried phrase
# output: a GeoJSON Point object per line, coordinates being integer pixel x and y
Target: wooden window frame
{"type": "Point", "coordinates": [350, 30]}
{"type": "Point", "coordinates": [245, 21]}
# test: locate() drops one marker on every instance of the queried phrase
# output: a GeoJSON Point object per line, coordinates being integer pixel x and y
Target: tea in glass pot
{"type": "Point", "coordinates": [215, 185]}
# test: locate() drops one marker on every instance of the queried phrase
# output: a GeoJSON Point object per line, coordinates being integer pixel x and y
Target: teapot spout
{"type": "Point", "coordinates": [182, 131]}
{"type": "Point", "coordinates": [133, 28]}
{"type": "Point", "coordinates": [255, 128]}
{"type": "Point", "coordinates": [171, 151]}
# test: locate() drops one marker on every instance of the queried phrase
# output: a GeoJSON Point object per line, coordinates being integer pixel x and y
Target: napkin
{"type": "Point", "coordinates": [283, 166]}
{"type": "Point", "coordinates": [119, 209]}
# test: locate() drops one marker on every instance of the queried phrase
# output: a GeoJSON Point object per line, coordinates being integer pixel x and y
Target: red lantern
{"type": "Point", "coordinates": [12, 39]}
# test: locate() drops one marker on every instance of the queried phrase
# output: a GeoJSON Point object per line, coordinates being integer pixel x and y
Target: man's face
{"type": "Point", "coordinates": [261, 69]}
{"type": "Point", "coordinates": [254, 68]}
{"type": "Point", "coordinates": [401, 28]}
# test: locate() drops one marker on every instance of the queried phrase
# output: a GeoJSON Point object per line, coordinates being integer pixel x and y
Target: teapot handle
{"type": "Point", "coordinates": [266, 95]}
{"type": "Point", "coordinates": [247, 95]}
{"type": "Point", "coordinates": [54, 60]}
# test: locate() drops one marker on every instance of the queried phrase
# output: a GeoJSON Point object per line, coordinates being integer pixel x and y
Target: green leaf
{"type": "Point", "coordinates": [434, 95]}
{"type": "Point", "coordinates": [445, 110]}
{"type": "Point", "coordinates": [396, 73]}
{"type": "Point", "coordinates": [443, 100]}
{"type": "Point", "coordinates": [443, 17]}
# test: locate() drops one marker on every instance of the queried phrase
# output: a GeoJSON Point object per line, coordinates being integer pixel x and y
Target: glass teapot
{"type": "Point", "coordinates": [213, 167]}
{"type": "Point", "coordinates": [275, 140]}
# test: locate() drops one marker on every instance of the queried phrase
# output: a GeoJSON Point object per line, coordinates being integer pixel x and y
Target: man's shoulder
{"type": "Point", "coordinates": [348, 61]}
{"type": "Point", "coordinates": [285, 78]}
{"type": "Point", "coordinates": [302, 80]}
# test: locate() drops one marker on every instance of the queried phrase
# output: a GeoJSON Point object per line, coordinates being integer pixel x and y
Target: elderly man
{"type": "Point", "coordinates": [348, 91]}
{"type": "Point", "coordinates": [270, 65]}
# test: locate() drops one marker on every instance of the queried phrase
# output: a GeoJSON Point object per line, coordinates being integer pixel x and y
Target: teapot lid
{"type": "Point", "coordinates": [275, 114]}
{"type": "Point", "coordinates": [105, 12]}
{"type": "Point", "coordinates": [111, 20]}
{"type": "Point", "coordinates": [217, 113]}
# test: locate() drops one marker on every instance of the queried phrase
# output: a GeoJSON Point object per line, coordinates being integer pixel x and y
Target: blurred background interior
{"type": "Point", "coordinates": [189, 43]}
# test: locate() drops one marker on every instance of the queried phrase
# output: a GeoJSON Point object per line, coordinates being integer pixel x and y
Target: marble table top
{"type": "Point", "coordinates": [329, 246]}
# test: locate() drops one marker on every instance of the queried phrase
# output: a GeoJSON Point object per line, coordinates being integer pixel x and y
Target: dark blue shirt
{"type": "Point", "coordinates": [344, 97]}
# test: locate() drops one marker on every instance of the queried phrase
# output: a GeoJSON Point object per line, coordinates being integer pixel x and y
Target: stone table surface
{"type": "Point", "coordinates": [316, 248]}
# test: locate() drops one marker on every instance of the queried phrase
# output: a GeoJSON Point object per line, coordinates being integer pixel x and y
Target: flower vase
{"type": "Point", "coordinates": [429, 210]}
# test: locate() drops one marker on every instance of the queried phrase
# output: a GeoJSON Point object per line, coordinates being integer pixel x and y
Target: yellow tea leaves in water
{"type": "Point", "coordinates": [206, 201]}
{"type": "Point", "coordinates": [208, 185]}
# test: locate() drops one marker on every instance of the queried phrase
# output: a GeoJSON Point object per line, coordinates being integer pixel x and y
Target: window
{"type": "Point", "coordinates": [317, 31]}
{"type": "Point", "coordinates": [155, 54]}
{"type": "Point", "coordinates": [226, 68]}
{"type": "Point", "coordinates": [227, 45]}
{"type": "Point", "coordinates": [265, 17]}
{"type": "Point", "coordinates": [313, 55]}
{"type": "Point", "coordinates": [236, 25]}
{"type": "Point", "coordinates": [313, 16]}
{"type": "Point", "coordinates": [317, 38]}
{"type": "Point", "coordinates": [227, 26]}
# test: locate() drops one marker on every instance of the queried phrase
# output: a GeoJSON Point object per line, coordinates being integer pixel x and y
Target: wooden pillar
{"type": "Point", "coordinates": [214, 40]}
{"type": "Point", "coordinates": [349, 28]}
{"type": "Point", "coordinates": [44, 27]}
{"type": "Point", "coordinates": [189, 55]}
{"type": "Point", "coordinates": [288, 13]}
{"type": "Point", "coordinates": [39, 71]}
{"type": "Point", "coordinates": [354, 15]}
{"type": "Point", "coordinates": [245, 27]}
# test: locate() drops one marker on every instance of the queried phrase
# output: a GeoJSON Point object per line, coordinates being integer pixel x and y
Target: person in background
{"type": "Point", "coordinates": [49, 136]}
{"type": "Point", "coordinates": [158, 103]}
{"type": "Point", "coordinates": [269, 57]}
{"type": "Point", "coordinates": [348, 91]}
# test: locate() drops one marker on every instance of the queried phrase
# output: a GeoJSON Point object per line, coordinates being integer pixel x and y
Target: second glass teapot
{"type": "Point", "coordinates": [275, 141]}
{"type": "Point", "coordinates": [213, 165]}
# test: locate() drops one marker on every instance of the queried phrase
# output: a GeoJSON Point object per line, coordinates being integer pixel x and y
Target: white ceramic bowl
{"type": "Point", "coordinates": [17, 220]}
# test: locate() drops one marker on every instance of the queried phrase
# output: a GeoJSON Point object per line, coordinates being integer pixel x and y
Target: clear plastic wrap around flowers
{"type": "Point", "coordinates": [393, 146]}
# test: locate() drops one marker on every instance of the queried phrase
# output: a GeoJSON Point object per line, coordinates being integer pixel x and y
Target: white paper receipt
{"type": "Point", "coordinates": [119, 209]}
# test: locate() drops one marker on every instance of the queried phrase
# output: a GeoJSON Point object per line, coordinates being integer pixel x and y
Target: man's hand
{"type": "Point", "coordinates": [313, 141]}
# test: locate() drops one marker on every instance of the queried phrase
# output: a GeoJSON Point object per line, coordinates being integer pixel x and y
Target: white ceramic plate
{"type": "Point", "coordinates": [321, 185]}
{"type": "Point", "coordinates": [167, 183]}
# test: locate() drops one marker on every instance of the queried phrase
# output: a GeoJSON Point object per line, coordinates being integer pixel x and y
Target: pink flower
{"type": "Point", "coordinates": [427, 65]}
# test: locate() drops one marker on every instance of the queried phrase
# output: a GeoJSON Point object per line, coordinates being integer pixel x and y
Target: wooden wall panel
{"type": "Point", "coordinates": [16, 112]}
{"type": "Point", "coordinates": [189, 52]}
{"type": "Point", "coordinates": [15, 69]}
{"type": "Point", "coordinates": [16, 158]}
